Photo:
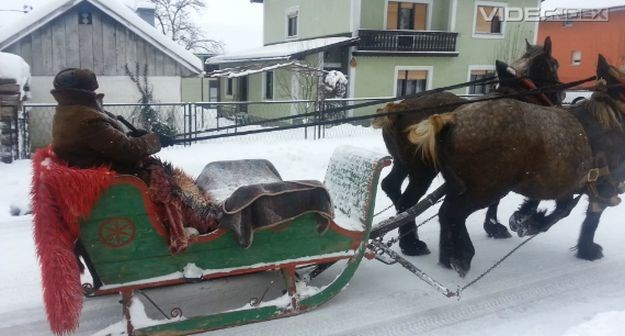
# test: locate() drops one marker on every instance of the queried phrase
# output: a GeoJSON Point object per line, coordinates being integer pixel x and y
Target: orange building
{"type": "Point", "coordinates": [577, 44]}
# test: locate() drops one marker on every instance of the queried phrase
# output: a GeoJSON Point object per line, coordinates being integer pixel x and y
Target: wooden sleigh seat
{"type": "Point", "coordinates": [126, 245]}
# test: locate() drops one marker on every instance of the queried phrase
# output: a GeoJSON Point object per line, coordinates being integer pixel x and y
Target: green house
{"type": "Point", "coordinates": [385, 48]}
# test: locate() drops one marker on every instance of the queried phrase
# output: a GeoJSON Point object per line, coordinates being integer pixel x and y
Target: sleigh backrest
{"type": "Point", "coordinates": [352, 179]}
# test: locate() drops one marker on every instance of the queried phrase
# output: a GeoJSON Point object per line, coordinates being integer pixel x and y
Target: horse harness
{"type": "Point", "coordinates": [602, 187]}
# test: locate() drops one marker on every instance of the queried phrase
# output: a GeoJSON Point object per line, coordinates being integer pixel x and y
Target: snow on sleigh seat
{"type": "Point", "coordinates": [127, 244]}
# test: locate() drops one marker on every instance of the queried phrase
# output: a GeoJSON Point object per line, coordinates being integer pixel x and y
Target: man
{"type": "Point", "coordinates": [84, 135]}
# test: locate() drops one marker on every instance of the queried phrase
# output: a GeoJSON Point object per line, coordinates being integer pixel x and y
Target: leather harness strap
{"type": "Point", "coordinates": [529, 84]}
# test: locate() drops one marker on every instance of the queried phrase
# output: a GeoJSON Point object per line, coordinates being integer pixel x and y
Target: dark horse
{"type": "Point", "coordinates": [542, 153]}
{"type": "Point", "coordinates": [536, 64]}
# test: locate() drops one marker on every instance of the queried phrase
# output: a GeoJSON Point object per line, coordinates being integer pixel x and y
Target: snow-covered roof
{"type": "Point", "coordinates": [255, 69]}
{"type": "Point", "coordinates": [144, 4]}
{"type": "Point", "coordinates": [14, 67]}
{"type": "Point", "coordinates": [52, 9]}
{"type": "Point", "coordinates": [282, 51]}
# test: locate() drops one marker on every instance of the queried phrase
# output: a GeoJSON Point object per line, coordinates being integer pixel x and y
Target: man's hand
{"type": "Point", "coordinates": [165, 140]}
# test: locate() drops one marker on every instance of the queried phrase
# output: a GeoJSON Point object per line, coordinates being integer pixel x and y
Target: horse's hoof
{"type": "Point", "coordinates": [592, 252]}
{"type": "Point", "coordinates": [498, 231]}
{"type": "Point", "coordinates": [412, 246]}
{"type": "Point", "coordinates": [524, 225]}
{"type": "Point", "coordinates": [517, 221]}
{"type": "Point", "coordinates": [461, 267]}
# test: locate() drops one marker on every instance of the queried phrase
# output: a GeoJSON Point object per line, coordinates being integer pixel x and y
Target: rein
{"type": "Point", "coordinates": [529, 84]}
{"type": "Point", "coordinates": [553, 88]}
{"type": "Point", "coordinates": [486, 80]}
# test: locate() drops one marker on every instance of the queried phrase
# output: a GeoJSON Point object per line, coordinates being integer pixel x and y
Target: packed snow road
{"type": "Point", "coordinates": [540, 290]}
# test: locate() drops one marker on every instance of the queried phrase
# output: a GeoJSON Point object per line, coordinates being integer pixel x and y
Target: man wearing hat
{"type": "Point", "coordinates": [84, 135]}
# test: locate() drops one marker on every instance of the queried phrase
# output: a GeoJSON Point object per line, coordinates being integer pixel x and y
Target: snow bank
{"type": "Point", "coordinates": [603, 324]}
{"type": "Point", "coordinates": [14, 198]}
{"type": "Point", "coordinates": [14, 67]}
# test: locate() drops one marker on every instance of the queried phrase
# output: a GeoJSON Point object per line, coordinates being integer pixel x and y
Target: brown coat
{"type": "Point", "coordinates": [85, 136]}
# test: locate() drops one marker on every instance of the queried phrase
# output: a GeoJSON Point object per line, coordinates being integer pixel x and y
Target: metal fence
{"type": "Point", "coordinates": [40, 116]}
{"type": "Point", "coordinates": [191, 121]}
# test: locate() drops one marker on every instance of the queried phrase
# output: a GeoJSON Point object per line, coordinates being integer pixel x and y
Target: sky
{"type": "Point", "coordinates": [239, 23]}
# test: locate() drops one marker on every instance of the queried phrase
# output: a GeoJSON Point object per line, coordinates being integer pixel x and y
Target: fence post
{"type": "Point", "coordinates": [188, 108]}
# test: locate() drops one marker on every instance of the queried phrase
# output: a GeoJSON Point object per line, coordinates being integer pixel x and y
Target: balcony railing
{"type": "Point", "coordinates": [407, 41]}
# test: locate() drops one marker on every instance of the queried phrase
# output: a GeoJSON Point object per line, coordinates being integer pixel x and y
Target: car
{"type": "Point", "coordinates": [573, 97]}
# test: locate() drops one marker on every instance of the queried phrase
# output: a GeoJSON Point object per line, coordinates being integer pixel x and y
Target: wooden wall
{"type": "Point", "coordinates": [104, 46]}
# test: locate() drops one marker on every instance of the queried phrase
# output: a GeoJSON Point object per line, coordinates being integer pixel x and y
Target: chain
{"type": "Point", "coordinates": [394, 240]}
{"type": "Point", "coordinates": [382, 211]}
{"type": "Point", "coordinates": [497, 263]}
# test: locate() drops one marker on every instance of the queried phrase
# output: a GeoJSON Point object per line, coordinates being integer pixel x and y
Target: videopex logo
{"type": "Point", "coordinates": [519, 14]}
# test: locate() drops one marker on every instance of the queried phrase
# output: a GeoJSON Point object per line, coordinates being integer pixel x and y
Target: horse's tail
{"type": "Point", "coordinates": [425, 135]}
{"type": "Point", "coordinates": [388, 120]}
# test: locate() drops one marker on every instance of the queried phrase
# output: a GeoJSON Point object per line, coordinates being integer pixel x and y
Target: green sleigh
{"type": "Point", "coordinates": [126, 247]}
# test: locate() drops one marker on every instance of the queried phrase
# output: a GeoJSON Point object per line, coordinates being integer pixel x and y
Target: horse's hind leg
{"type": "Point", "coordinates": [519, 220]}
{"type": "Point", "coordinates": [586, 247]}
{"type": "Point", "coordinates": [492, 226]}
{"type": "Point", "coordinates": [409, 242]}
{"type": "Point", "coordinates": [391, 184]}
{"type": "Point", "coordinates": [456, 249]}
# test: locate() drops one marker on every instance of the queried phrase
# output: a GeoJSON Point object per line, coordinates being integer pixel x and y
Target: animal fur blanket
{"type": "Point", "coordinates": [181, 204]}
{"type": "Point", "coordinates": [60, 197]}
{"type": "Point", "coordinates": [63, 195]}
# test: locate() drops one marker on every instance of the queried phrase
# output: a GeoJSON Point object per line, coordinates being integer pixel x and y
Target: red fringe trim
{"type": "Point", "coordinates": [61, 196]}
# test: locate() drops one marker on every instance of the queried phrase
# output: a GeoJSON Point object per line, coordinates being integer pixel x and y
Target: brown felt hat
{"type": "Point", "coordinates": [74, 78]}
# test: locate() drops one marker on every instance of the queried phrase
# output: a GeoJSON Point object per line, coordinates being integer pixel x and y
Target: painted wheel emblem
{"type": "Point", "coordinates": [116, 232]}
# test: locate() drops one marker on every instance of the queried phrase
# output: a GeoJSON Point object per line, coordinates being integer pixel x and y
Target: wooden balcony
{"type": "Point", "coordinates": [407, 42]}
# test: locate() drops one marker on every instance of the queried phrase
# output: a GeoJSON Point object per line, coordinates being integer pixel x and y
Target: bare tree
{"type": "Point", "coordinates": [174, 20]}
{"type": "Point", "coordinates": [145, 114]}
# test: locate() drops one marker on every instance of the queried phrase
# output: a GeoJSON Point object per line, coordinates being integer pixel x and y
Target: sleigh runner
{"type": "Point", "coordinates": [126, 248]}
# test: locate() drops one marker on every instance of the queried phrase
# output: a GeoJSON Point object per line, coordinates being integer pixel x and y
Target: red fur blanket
{"type": "Point", "coordinates": [61, 196]}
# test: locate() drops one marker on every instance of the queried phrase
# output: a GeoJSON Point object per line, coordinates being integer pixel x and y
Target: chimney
{"type": "Point", "coordinates": [145, 10]}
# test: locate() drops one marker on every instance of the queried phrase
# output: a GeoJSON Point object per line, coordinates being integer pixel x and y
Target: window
{"type": "Point", "coordinates": [411, 82]}
{"type": "Point", "coordinates": [85, 18]}
{"type": "Point", "coordinates": [229, 87]}
{"type": "Point", "coordinates": [481, 89]}
{"type": "Point", "coordinates": [269, 85]}
{"type": "Point", "coordinates": [567, 23]}
{"type": "Point", "coordinates": [576, 57]}
{"type": "Point", "coordinates": [291, 23]}
{"type": "Point", "coordinates": [488, 20]}
{"type": "Point", "coordinates": [406, 15]}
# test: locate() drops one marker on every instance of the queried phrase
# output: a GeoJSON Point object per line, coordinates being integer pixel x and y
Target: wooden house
{"type": "Point", "coordinates": [103, 35]}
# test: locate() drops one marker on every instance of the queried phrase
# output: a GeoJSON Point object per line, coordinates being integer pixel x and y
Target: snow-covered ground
{"type": "Point", "coordinates": [541, 290]}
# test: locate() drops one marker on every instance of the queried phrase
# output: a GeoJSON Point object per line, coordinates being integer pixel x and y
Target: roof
{"type": "Point", "coordinates": [283, 51]}
{"type": "Point", "coordinates": [52, 9]}
{"type": "Point", "coordinates": [256, 68]}
{"type": "Point", "coordinates": [14, 67]}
